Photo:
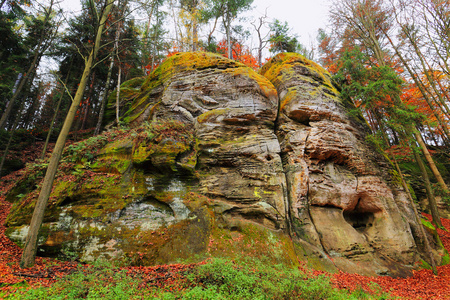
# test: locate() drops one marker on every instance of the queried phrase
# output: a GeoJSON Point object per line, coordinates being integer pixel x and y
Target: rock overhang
{"type": "Point", "coordinates": [217, 148]}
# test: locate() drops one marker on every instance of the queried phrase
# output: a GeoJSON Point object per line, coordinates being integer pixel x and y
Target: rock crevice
{"type": "Point", "coordinates": [222, 160]}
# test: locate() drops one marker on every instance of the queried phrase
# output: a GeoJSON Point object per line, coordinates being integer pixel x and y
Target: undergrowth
{"type": "Point", "coordinates": [218, 279]}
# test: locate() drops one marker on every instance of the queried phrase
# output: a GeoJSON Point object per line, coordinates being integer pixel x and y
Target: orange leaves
{"type": "Point", "coordinates": [240, 53]}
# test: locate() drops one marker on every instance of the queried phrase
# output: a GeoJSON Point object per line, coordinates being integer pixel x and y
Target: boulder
{"type": "Point", "coordinates": [220, 160]}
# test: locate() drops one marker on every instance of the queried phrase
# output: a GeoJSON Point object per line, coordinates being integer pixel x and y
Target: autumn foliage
{"type": "Point", "coordinates": [240, 52]}
{"type": "Point", "coordinates": [172, 278]}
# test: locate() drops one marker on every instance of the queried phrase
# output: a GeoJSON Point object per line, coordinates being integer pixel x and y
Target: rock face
{"type": "Point", "coordinates": [220, 160]}
{"type": "Point", "coordinates": [339, 198]}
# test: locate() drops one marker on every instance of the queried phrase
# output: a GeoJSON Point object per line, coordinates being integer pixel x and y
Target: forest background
{"type": "Point", "coordinates": [389, 56]}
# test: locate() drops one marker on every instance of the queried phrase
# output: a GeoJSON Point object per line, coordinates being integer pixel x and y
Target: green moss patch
{"type": "Point", "coordinates": [252, 240]}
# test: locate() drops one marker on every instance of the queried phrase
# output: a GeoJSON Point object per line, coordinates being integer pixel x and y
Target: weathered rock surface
{"type": "Point", "coordinates": [220, 160]}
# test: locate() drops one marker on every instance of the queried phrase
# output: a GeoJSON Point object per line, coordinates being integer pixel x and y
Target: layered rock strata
{"type": "Point", "coordinates": [220, 160]}
{"type": "Point", "coordinates": [339, 192]}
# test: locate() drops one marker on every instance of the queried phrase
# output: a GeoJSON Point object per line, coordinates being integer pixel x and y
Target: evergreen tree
{"type": "Point", "coordinates": [41, 30]}
{"type": "Point", "coordinates": [282, 40]}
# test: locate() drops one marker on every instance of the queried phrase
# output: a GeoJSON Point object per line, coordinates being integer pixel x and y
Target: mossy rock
{"type": "Point", "coordinates": [129, 90]}
{"type": "Point", "coordinates": [200, 170]}
{"type": "Point", "coordinates": [141, 100]}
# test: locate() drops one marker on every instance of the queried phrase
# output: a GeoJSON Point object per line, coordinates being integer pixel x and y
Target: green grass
{"type": "Point", "coordinates": [101, 281]}
{"type": "Point", "coordinates": [218, 279]}
{"type": "Point", "coordinates": [256, 279]}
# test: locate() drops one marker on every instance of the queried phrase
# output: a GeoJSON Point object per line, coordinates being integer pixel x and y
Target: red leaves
{"type": "Point", "coordinates": [422, 285]}
{"type": "Point", "coordinates": [240, 53]}
{"type": "Point", "coordinates": [168, 277]}
{"type": "Point", "coordinates": [10, 272]}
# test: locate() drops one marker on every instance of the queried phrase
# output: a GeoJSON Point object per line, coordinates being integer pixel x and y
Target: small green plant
{"type": "Point", "coordinates": [255, 279]}
{"type": "Point", "coordinates": [220, 279]}
{"type": "Point", "coordinates": [439, 191]}
{"type": "Point", "coordinates": [100, 281]}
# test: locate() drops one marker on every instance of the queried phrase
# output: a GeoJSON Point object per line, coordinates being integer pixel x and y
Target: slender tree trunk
{"type": "Point", "coordinates": [210, 35]}
{"type": "Point", "coordinates": [5, 153]}
{"type": "Point", "coordinates": [419, 85]}
{"type": "Point", "coordinates": [430, 161]}
{"type": "Point", "coordinates": [230, 50]}
{"type": "Point", "coordinates": [13, 129]}
{"type": "Point", "coordinates": [29, 252]}
{"type": "Point", "coordinates": [44, 149]}
{"type": "Point", "coordinates": [37, 55]}
{"type": "Point", "coordinates": [22, 83]}
{"type": "Point", "coordinates": [118, 95]}
{"type": "Point", "coordinates": [88, 100]}
{"type": "Point", "coordinates": [194, 36]}
{"type": "Point", "coordinates": [116, 48]}
{"type": "Point", "coordinates": [227, 25]}
{"type": "Point", "coordinates": [416, 215]}
{"type": "Point", "coordinates": [413, 205]}
{"type": "Point", "coordinates": [146, 35]}
{"type": "Point", "coordinates": [104, 97]}
{"type": "Point", "coordinates": [194, 11]}
{"type": "Point", "coordinates": [52, 123]}
{"type": "Point", "coordinates": [410, 131]}
{"type": "Point", "coordinates": [431, 200]}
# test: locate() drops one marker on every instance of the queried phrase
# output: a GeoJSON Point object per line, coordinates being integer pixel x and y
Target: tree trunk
{"type": "Point", "coordinates": [52, 123]}
{"type": "Point", "coordinates": [29, 252]}
{"type": "Point", "coordinates": [230, 50]}
{"type": "Point", "coordinates": [37, 55]}
{"type": "Point", "coordinates": [416, 215]}
{"type": "Point", "coordinates": [431, 200]}
{"type": "Point", "coordinates": [227, 25]}
{"type": "Point", "coordinates": [22, 83]}
{"type": "Point", "coordinates": [419, 84]}
{"type": "Point", "coordinates": [118, 95]}
{"type": "Point", "coordinates": [13, 129]}
{"type": "Point", "coordinates": [413, 205]}
{"type": "Point", "coordinates": [430, 161]}
{"type": "Point", "coordinates": [104, 98]}
{"type": "Point", "coordinates": [88, 100]}
{"type": "Point", "coordinates": [44, 149]}
{"type": "Point", "coordinates": [116, 48]}
{"type": "Point", "coordinates": [194, 36]}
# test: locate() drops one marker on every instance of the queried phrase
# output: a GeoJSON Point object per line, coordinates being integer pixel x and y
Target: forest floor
{"type": "Point", "coordinates": [422, 285]}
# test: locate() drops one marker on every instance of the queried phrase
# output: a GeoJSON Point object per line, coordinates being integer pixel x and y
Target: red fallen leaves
{"type": "Point", "coordinates": [422, 285]}
{"type": "Point", "coordinates": [47, 271]}
{"type": "Point", "coordinates": [162, 277]}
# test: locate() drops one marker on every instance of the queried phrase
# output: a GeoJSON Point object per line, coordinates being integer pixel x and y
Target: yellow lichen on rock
{"type": "Point", "coordinates": [188, 61]}
{"type": "Point", "coordinates": [286, 66]}
{"type": "Point", "coordinates": [212, 114]}
{"type": "Point", "coordinates": [267, 88]}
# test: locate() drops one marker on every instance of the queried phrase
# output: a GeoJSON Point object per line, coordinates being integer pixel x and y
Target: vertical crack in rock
{"type": "Point", "coordinates": [203, 158]}
{"type": "Point", "coordinates": [336, 196]}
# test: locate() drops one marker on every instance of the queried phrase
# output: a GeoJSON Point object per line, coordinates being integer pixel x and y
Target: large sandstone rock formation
{"type": "Point", "coordinates": [220, 160]}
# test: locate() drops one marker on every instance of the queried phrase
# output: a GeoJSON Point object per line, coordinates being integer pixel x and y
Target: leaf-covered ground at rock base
{"type": "Point", "coordinates": [172, 278]}
{"type": "Point", "coordinates": [422, 285]}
